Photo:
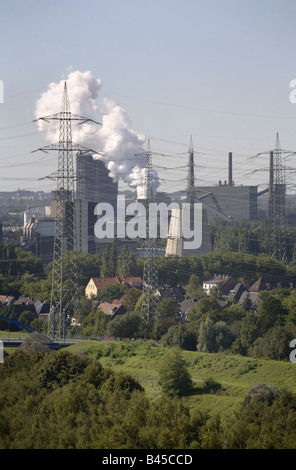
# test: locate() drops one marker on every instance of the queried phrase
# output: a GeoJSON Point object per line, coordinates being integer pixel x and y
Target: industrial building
{"type": "Point", "coordinates": [38, 237]}
{"type": "Point", "coordinates": [228, 202]}
{"type": "Point", "coordinates": [175, 243]}
{"type": "Point", "coordinates": [224, 201]}
{"type": "Point", "coordinates": [94, 185]}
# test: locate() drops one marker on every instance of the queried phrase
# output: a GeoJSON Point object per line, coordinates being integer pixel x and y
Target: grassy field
{"type": "Point", "coordinates": [236, 374]}
{"type": "Point", "coordinates": [13, 334]}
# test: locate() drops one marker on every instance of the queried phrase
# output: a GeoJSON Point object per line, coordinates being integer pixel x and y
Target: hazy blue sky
{"type": "Point", "coordinates": [218, 70]}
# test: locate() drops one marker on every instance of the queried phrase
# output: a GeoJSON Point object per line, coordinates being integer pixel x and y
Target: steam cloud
{"type": "Point", "coordinates": [120, 146]}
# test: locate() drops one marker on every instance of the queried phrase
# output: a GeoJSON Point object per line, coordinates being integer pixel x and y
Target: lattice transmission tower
{"type": "Point", "coordinates": [64, 291]}
{"type": "Point", "coordinates": [278, 206]}
{"type": "Point", "coordinates": [150, 269]}
{"type": "Point", "coordinates": [190, 190]}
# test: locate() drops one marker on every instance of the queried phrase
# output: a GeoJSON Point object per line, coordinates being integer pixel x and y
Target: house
{"type": "Point", "coordinates": [96, 284]}
{"type": "Point", "coordinates": [273, 282]}
{"type": "Point", "coordinates": [186, 306]}
{"type": "Point", "coordinates": [112, 309]}
{"type": "Point", "coordinates": [253, 296]}
{"type": "Point", "coordinates": [175, 292]}
{"type": "Point", "coordinates": [227, 285]}
{"type": "Point", "coordinates": [42, 309]}
{"type": "Point", "coordinates": [238, 291]}
{"type": "Point", "coordinates": [23, 304]}
{"type": "Point", "coordinates": [6, 300]}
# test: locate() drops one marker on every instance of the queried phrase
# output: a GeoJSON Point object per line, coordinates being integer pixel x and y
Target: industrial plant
{"type": "Point", "coordinates": [223, 201]}
{"type": "Point", "coordinates": [84, 180]}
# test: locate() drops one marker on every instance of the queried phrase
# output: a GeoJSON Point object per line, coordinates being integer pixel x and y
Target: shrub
{"type": "Point", "coordinates": [210, 385]}
{"type": "Point", "coordinates": [173, 374]}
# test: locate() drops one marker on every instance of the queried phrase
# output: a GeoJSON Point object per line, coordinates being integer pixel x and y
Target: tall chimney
{"type": "Point", "coordinates": [230, 183]}
{"type": "Point", "coordinates": [270, 188]}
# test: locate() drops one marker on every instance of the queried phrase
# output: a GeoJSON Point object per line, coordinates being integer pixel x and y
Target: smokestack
{"type": "Point", "coordinates": [270, 189]}
{"type": "Point", "coordinates": [230, 183]}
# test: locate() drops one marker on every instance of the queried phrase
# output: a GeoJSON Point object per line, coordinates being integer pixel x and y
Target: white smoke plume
{"type": "Point", "coordinates": [114, 141]}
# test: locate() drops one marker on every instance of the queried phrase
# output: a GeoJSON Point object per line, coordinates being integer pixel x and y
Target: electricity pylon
{"type": "Point", "coordinates": [190, 190]}
{"type": "Point", "coordinates": [64, 290]}
{"type": "Point", "coordinates": [150, 270]}
{"type": "Point", "coordinates": [278, 207]}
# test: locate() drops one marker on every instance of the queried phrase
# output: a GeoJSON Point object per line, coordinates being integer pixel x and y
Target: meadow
{"type": "Point", "coordinates": [235, 373]}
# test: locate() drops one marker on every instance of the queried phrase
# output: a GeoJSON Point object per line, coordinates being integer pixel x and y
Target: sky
{"type": "Point", "coordinates": [216, 70]}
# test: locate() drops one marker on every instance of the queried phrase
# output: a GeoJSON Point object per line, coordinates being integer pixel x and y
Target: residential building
{"type": "Point", "coordinates": [273, 282]}
{"type": "Point", "coordinates": [112, 309]}
{"type": "Point", "coordinates": [96, 284]}
{"type": "Point", "coordinates": [224, 282]}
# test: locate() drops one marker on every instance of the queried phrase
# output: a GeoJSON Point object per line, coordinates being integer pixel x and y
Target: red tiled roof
{"type": "Point", "coordinates": [131, 281]}
{"type": "Point", "coordinates": [111, 309]}
{"type": "Point", "coordinates": [103, 282]}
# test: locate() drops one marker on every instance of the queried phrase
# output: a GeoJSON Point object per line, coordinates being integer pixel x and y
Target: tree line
{"type": "Point", "coordinates": [248, 236]}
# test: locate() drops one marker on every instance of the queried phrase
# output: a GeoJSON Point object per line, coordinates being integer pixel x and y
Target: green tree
{"type": "Point", "coordinates": [84, 307]}
{"type": "Point", "coordinates": [247, 304]}
{"type": "Point", "coordinates": [271, 313]}
{"type": "Point", "coordinates": [125, 326]}
{"type": "Point", "coordinates": [223, 336]}
{"type": "Point", "coordinates": [194, 288]}
{"type": "Point", "coordinates": [130, 298]}
{"type": "Point", "coordinates": [27, 317]}
{"type": "Point", "coordinates": [234, 312]}
{"type": "Point", "coordinates": [109, 262]}
{"type": "Point", "coordinates": [174, 376]}
{"type": "Point", "coordinates": [274, 344]}
{"type": "Point", "coordinates": [113, 260]}
{"type": "Point", "coordinates": [36, 288]}
{"type": "Point", "coordinates": [289, 304]}
{"type": "Point", "coordinates": [206, 336]}
{"type": "Point", "coordinates": [210, 385]}
{"type": "Point", "coordinates": [249, 332]}
{"type": "Point", "coordinates": [111, 292]}
{"type": "Point", "coordinates": [167, 313]}
{"type": "Point", "coordinates": [206, 306]}
{"type": "Point", "coordinates": [180, 336]}
{"type": "Point", "coordinates": [213, 337]}
{"type": "Point", "coordinates": [95, 324]}
{"type": "Point", "coordinates": [35, 343]}
{"type": "Point", "coordinates": [126, 263]}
